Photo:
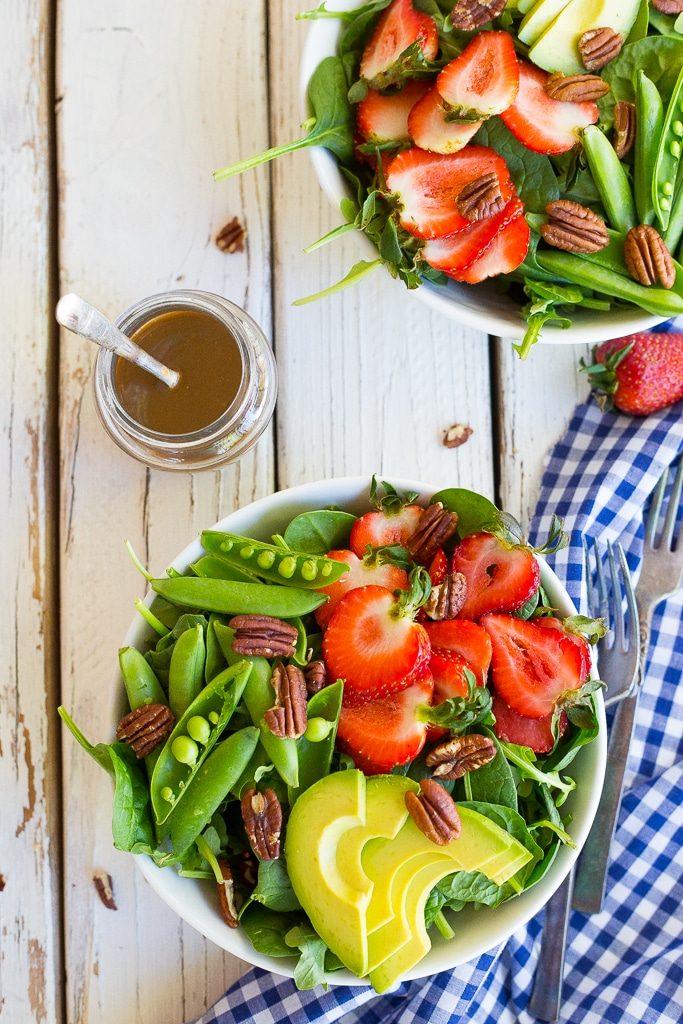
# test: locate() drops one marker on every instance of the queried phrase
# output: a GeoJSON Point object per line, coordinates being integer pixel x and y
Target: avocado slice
{"type": "Point", "coordinates": [557, 48]}
{"type": "Point", "coordinates": [320, 817]}
{"type": "Point", "coordinates": [539, 18]}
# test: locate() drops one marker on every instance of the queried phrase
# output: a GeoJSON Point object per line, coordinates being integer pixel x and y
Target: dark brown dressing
{"type": "Point", "coordinates": [205, 354]}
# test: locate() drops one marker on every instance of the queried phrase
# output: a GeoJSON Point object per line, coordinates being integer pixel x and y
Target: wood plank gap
{"type": "Point", "coordinates": [274, 320]}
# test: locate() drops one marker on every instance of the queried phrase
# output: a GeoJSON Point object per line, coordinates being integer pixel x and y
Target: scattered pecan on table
{"type": "Point", "coordinates": [105, 889]}
{"type": "Point", "coordinates": [232, 236]}
{"type": "Point", "coordinates": [434, 812]}
{"type": "Point", "coordinates": [456, 435]}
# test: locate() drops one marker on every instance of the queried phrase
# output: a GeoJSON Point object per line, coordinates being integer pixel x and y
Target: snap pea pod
{"type": "Point", "coordinates": [612, 258]}
{"type": "Point", "coordinates": [611, 179]}
{"type": "Point", "coordinates": [160, 657]}
{"type": "Point", "coordinates": [668, 155]}
{"type": "Point", "coordinates": [589, 274]}
{"type": "Point", "coordinates": [210, 786]}
{"type": "Point", "coordinates": [674, 232]}
{"type": "Point", "coordinates": [214, 568]}
{"type": "Point", "coordinates": [259, 759]}
{"type": "Point", "coordinates": [215, 661]}
{"type": "Point", "coordinates": [274, 563]}
{"type": "Point", "coordinates": [229, 598]}
{"type": "Point", "coordinates": [315, 758]}
{"type": "Point", "coordinates": [259, 695]}
{"type": "Point", "coordinates": [142, 685]}
{"type": "Point", "coordinates": [214, 706]}
{"type": "Point", "coordinates": [649, 121]}
{"type": "Point", "coordinates": [301, 649]}
{"type": "Point", "coordinates": [186, 671]}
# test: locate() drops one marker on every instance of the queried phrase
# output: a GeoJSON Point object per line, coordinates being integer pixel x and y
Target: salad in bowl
{"type": "Point", "coordinates": [534, 146]}
{"type": "Point", "coordinates": [362, 740]}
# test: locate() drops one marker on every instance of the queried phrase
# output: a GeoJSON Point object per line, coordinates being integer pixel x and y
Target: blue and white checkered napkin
{"type": "Point", "coordinates": [625, 964]}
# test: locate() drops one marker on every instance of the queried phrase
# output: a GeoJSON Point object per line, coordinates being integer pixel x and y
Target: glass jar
{"type": "Point", "coordinates": [234, 432]}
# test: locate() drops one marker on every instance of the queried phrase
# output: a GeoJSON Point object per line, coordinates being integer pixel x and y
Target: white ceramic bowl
{"type": "Point", "coordinates": [477, 931]}
{"type": "Point", "coordinates": [479, 306]}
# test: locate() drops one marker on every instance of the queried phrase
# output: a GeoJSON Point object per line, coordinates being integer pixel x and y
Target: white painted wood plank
{"type": "Point", "coordinates": [30, 987]}
{"type": "Point", "coordinates": [370, 378]}
{"type": "Point", "coordinates": [536, 399]}
{"type": "Point", "coordinates": [153, 98]}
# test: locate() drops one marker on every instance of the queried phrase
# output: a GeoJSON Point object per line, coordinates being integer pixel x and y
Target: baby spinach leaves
{"type": "Point", "coordinates": [318, 532]}
{"type": "Point", "coordinates": [331, 124]}
{"type": "Point", "coordinates": [531, 172]}
{"type": "Point", "coordinates": [494, 782]}
{"type": "Point", "coordinates": [273, 888]}
{"type": "Point", "coordinates": [660, 57]}
{"type": "Point", "coordinates": [474, 511]}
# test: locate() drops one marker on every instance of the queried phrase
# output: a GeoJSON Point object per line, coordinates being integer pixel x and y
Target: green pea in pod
{"type": "Point", "coordinates": [216, 704]}
{"type": "Point", "coordinates": [226, 597]}
{"type": "Point", "coordinates": [274, 563]}
{"type": "Point", "coordinates": [315, 756]}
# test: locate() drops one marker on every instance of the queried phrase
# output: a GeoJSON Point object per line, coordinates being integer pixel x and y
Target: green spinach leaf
{"type": "Point", "coordinates": [266, 929]}
{"type": "Point", "coordinates": [660, 57]}
{"type": "Point", "coordinates": [532, 173]}
{"type": "Point", "coordinates": [273, 888]}
{"type": "Point", "coordinates": [493, 783]}
{"type": "Point", "coordinates": [318, 532]}
{"type": "Point", "coordinates": [310, 969]}
{"type": "Point", "coordinates": [475, 512]}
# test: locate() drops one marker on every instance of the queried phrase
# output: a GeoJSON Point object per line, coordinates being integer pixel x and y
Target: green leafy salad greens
{"type": "Point", "coordinates": [550, 286]}
{"type": "Point", "coordinates": [181, 803]}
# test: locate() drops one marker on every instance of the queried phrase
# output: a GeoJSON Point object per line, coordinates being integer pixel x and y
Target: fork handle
{"type": "Point", "coordinates": [546, 998]}
{"type": "Point", "coordinates": [591, 873]}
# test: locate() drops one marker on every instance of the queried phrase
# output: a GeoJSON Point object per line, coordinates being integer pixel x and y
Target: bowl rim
{"type": "Point", "coordinates": [173, 890]}
{"type": "Point", "coordinates": [588, 326]}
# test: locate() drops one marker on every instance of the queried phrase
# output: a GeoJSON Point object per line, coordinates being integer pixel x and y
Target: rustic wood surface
{"type": "Point", "coordinates": [149, 98]}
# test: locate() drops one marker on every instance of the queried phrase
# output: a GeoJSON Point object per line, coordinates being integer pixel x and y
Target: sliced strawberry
{"type": "Point", "coordinates": [384, 733]}
{"type": "Point", "coordinates": [400, 28]}
{"type": "Point", "coordinates": [541, 123]}
{"type": "Point", "coordinates": [429, 129]}
{"type": "Point", "coordinates": [502, 255]}
{"type": "Point", "coordinates": [455, 253]}
{"type": "Point", "coordinates": [550, 622]}
{"type": "Point", "coordinates": [383, 118]}
{"type": "Point", "coordinates": [536, 733]}
{"type": "Point", "coordinates": [484, 79]}
{"type": "Point", "coordinates": [373, 645]}
{"type": "Point", "coordinates": [448, 672]}
{"type": "Point", "coordinates": [438, 568]}
{"type": "Point", "coordinates": [531, 666]}
{"type": "Point", "coordinates": [466, 640]}
{"type": "Point", "coordinates": [428, 185]}
{"type": "Point", "coordinates": [383, 528]}
{"type": "Point", "coordinates": [500, 576]}
{"type": "Point", "coordinates": [362, 572]}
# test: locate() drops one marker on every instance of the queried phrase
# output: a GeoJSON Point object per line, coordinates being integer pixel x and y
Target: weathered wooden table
{"type": "Point", "coordinates": [113, 116]}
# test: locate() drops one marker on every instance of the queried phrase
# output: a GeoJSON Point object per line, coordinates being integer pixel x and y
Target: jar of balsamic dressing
{"type": "Point", "coordinates": [223, 401]}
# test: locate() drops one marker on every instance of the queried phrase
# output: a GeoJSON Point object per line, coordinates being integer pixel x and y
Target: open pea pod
{"type": "Point", "coordinates": [227, 597]}
{"type": "Point", "coordinates": [214, 568]}
{"type": "Point", "coordinates": [211, 784]}
{"type": "Point", "coordinates": [292, 568]}
{"type": "Point", "coordinates": [215, 706]}
{"type": "Point", "coordinates": [668, 157]}
{"type": "Point", "coordinates": [315, 758]}
{"type": "Point", "coordinates": [259, 695]}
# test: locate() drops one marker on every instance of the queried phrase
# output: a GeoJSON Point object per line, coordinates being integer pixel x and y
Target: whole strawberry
{"type": "Point", "coordinates": [638, 374]}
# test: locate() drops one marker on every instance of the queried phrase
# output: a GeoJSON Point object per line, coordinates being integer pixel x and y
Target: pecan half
{"type": "Point", "coordinates": [573, 227]}
{"type": "Point", "coordinates": [246, 866]}
{"type": "Point", "coordinates": [315, 675]}
{"type": "Point", "coordinates": [462, 754]}
{"type": "Point", "coordinates": [288, 717]}
{"type": "Point", "coordinates": [668, 6]}
{"type": "Point", "coordinates": [599, 46]}
{"type": "Point", "coordinates": [226, 895]}
{"type": "Point", "coordinates": [263, 636]}
{"type": "Point", "coordinates": [262, 817]}
{"type": "Point", "coordinates": [435, 526]}
{"type": "Point", "coordinates": [456, 435]}
{"type": "Point", "coordinates": [434, 812]}
{"type": "Point", "coordinates": [231, 238]}
{"type": "Point", "coordinates": [470, 14]}
{"type": "Point", "coordinates": [647, 258]}
{"type": "Point", "coordinates": [146, 728]}
{"type": "Point", "coordinates": [624, 128]}
{"type": "Point", "coordinates": [104, 886]}
{"type": "Point", "coordinates": [480, 198]}
{"type": "Point", "coordinates": [576, 88]}
{"type": "Point", "coordinates": [446, 599]}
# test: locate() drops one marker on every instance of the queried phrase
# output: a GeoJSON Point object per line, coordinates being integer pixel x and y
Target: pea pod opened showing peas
{"type": "Point", "coordinates": [280, 565]}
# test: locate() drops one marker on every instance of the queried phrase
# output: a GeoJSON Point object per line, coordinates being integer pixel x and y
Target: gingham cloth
{"type": "Point", "coordinates": [624, 965]}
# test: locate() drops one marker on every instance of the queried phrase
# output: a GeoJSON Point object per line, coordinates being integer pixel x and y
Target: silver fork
{"type": "Point", "coordinates": [661, 576]}
{"type": "Point", "coordinates": [619, 660]}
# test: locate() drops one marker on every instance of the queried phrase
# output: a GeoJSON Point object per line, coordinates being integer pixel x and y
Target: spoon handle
{"type": "Point", "coordinates": [79, 316]}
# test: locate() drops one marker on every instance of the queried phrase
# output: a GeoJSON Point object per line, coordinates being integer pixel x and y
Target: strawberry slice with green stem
{"type": "Point", "coordinates": [532, 668]}
{"type": "Point", "coordinates": [540, 123]}
{"type": "Point", "coordinates": [405, 40]}
{"type": "Point", "coordinates": [427, 186]}
{"type": "Point", "coordinates": [430, 129]}
{"type": "Point", "coordinates": [500, 576]}
{"type": "Point", "coordinates": [384, 733]}
{"type": "Point", "coordinates": [373, 643]}
{"type": "Point", "coordinates": [376, 568]}
{"type": "Point", "coordinates": [483, 80]}
{"type": "Point", "coordinates": [384, 118]}
{"type": "Point", "coordinates": [392, 522]}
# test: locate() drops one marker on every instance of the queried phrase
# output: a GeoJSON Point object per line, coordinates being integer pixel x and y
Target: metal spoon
{"type": "Point", "coordinates": [80, 317]}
